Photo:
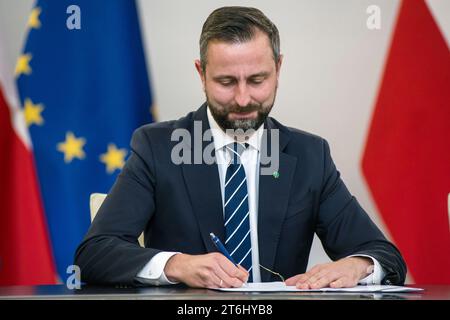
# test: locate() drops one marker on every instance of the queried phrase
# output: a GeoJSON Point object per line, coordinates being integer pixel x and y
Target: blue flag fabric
{"type": "Point", "coordinates": [84, 88]}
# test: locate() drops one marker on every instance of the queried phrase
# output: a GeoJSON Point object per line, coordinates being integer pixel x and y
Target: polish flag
{"type": "Point", "coordinates": [406, 161]}
{"type": "Point", "coordinates": [25, 253]}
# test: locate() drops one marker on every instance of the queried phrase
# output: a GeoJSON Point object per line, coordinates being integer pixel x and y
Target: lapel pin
{"type": "Point", "coordinates": [276, 174]}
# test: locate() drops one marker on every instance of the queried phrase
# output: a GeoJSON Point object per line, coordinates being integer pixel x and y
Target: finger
{"type": "Point", "coordinates": [227, 280]}
{"type": "Point", "coordinates": [242, 274]}
{"type": "Point", "coordinates": [304, 280]}
{"type": "Point", "coordinates": [341, 282]}
{"type": "Point", "coordinates": [214, 281]}
{"type": "Point", "coordinates": [227, 271]}
{"type": "Point", "coordinates": [231, 270]}
{"type": "Point", "coordinates": [245, 271]}
{"type": "Point", "coordinates": [317, 268]}
{"type": "Point", "coordinates": [293, 280]}
{"type": "Point", "coordinates": [302, 285]}
{"type": "Point", "coordinates": [311, 273]}
{"type": "Point", "coordinates": [210, 276]}
{"type": "Point", "coordinates": [325, 280]}
{"type": "Point", "coordinates": [336, 284]}
{"type": "Point", "coordinates": [315, 277]}
{"type": "Point", "coordinates": [300, 278]}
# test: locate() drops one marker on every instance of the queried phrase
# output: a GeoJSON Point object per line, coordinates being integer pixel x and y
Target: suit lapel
{"type": "Point", "coordinates": [274, 191]}
{"type": "Point", "coordinates": [203, 185]}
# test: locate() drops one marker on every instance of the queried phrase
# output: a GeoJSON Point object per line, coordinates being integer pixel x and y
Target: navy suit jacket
{"type": "Point", "coordinates": [177, 206]}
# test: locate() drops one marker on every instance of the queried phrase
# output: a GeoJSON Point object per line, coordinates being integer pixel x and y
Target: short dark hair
{"type": "Point", "coordinates": [237, 24]}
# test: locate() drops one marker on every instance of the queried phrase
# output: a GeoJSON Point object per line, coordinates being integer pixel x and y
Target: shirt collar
{"type": "Point", "coordinates": [221, 139]}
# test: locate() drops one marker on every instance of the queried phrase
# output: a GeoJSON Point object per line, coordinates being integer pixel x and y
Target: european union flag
{"type": "Point", "coordinates": [83, 83]}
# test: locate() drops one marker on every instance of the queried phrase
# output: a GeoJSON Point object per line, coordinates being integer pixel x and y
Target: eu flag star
{"type": "Point", "coordinates": [23, 65]}
{"type": "Point", "coordinates": [114, 158]}
{"type": "Point", "coordinates": [72, 147]}
{"type": "Point", "coordinates": [33, 19]}
{"type": "Point", "coordinates": [32, 113]}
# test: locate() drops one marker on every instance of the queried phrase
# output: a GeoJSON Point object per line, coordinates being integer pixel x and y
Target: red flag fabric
{"type": "Point", "coordinates": [25, 254]}
{"type": "Point", "coordinates": [406, 161]}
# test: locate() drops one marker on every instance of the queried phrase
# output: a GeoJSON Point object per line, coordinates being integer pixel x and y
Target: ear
{"type": "Point", "coordinates": [280, 61]}
{"type": "Point", "coordinates": [198, 66]}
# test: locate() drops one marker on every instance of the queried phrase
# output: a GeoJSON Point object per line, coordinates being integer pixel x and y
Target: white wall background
{"type": "Point", "coordinates": [329, 79]}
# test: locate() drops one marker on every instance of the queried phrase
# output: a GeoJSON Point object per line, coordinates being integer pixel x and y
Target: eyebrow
{"type": "Point", "coordinates": [227, 77]}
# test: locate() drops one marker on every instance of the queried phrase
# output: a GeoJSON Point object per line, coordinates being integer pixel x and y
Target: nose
{"type": "Point", "coordinates": [242, 96]}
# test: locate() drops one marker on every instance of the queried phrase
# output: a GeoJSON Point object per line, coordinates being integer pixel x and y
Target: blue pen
{"type": "Point", "coordinates": [221, 247]}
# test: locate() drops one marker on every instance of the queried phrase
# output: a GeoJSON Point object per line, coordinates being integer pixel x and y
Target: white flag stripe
{"type": "Point", "coordinates": [9, 89]}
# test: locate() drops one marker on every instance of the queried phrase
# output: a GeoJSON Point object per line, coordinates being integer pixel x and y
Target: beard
{"type": "Point", "coordinates": [221, 113]}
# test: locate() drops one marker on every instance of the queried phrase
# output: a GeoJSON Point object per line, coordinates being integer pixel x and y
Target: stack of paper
{"type": "Point", "coordinates": [282, 287]}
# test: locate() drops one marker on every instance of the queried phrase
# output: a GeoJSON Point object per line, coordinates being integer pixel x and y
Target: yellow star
{"type": "Point", "coordinates": [72, 147]}
{"type": "Point", "coordinates": [23, 65]}
{"type": "Point", "coordinates": [32, 113]}
{"type": "Point", "coordinates": [33, 19]}
{"type": "Point", "coordinates": [114, 158]}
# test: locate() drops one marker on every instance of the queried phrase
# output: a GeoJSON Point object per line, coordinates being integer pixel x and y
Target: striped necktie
{"type": "Point", "coordinates": [236, 209]}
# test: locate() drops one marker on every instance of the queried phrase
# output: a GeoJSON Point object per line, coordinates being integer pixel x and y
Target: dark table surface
{"type": "Point", "coordinates": [179, 292]}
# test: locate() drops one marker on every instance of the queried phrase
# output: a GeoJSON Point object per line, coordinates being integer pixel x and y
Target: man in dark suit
{"type": "Point", "coordinates": [265, 212]}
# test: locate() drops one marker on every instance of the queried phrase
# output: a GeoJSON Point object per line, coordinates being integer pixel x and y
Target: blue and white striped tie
{"type": "Point", "coordinates": [237, 214]}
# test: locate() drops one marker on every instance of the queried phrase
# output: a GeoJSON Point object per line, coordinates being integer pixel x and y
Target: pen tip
{"type": "Point", "coordinates": [212, 234]}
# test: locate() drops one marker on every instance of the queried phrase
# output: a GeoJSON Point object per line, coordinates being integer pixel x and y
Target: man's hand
{"type": "Point", "coordinates": [344, 273]}
{"type": "Point", "coordinates": [212, 270]}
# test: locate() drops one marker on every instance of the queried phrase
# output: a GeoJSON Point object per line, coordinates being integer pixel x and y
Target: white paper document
{"type": "Point", "coordinates": [281, 287]}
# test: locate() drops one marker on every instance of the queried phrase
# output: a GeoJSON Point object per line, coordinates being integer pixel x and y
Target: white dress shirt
{"type": "Point", "coordinates": [153, 271]}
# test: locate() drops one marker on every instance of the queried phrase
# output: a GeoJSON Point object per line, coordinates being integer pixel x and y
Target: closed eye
{"type": "Point", "coordinates": [257, 80]}
{"type": "Point", "coordinates": [226, 83]}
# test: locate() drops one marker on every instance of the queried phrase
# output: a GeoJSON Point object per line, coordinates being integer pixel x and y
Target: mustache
{"type": "Point", "coordinates": [244, 109]}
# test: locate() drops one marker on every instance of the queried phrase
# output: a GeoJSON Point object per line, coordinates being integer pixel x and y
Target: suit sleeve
{"type": "Point", "coordinates": [344, 228]}
{"type": "Point", "coordinates": [110, 252]}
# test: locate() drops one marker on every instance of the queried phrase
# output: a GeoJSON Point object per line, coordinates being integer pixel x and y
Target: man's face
{"type": "Point", "coordinates": [240, 82]}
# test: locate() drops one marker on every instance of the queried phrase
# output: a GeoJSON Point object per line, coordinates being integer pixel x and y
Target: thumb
{"type": "Point", "coordinates": [292, 281]}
